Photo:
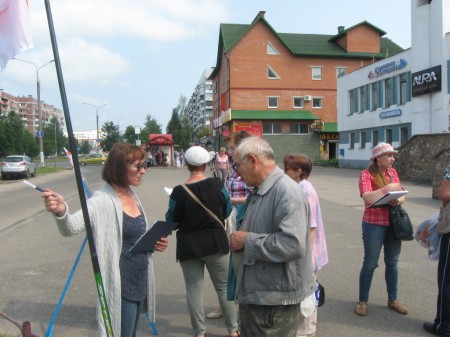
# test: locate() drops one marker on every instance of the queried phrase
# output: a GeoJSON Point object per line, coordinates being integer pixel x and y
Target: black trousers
{"type": "Point", "coordinates": [442, 320]}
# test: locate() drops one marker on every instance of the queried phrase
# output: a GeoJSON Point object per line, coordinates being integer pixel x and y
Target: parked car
{"type": "Point", "coordinates": [94, 158]}
{"type": "Point", "coordinates": [18, 165]}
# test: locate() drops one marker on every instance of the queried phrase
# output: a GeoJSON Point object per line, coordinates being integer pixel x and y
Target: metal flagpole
{"type": "Point", "coordinates": [76, 167]}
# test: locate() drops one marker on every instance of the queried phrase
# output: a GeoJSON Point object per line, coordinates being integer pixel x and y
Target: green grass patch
{"type": "Point", "coordinates": [2, 335]}
{"type": "Point", "coordinates": [42, 170]}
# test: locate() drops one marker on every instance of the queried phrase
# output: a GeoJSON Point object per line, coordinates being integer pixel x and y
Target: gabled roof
{"type": "Point", "coordinates": [345, 31]}
{"type": "Point", "coordinates": [301, 44]}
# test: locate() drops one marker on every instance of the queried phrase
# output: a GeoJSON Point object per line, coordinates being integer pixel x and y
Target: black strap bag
{"type": "Point", "coordinates": [400, 223]}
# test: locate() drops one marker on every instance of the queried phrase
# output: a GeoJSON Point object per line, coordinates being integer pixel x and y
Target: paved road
{"type": "Point", "coordinates": [36, 260]}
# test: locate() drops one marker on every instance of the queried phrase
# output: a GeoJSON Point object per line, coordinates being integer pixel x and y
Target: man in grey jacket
{"type": "Point", "coordinates": [272, 247]}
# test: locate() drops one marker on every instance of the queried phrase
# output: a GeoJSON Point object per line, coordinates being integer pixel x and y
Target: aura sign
{"type": "Point", "coordinates": [426, 81]}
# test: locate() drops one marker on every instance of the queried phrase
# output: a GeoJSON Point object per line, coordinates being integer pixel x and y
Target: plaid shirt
{"type": "Point", "coordinates": [236, 186]}
{"type": "Point", "coordinates": [376, 216]}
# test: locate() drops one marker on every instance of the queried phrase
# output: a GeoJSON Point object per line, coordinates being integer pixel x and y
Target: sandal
{"type": "Point", "coordinates": [397, 306]}
{"type": "Point", "coordinates": [361, 309]}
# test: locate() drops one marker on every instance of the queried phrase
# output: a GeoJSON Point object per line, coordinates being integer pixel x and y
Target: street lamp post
{"type": "Point", "coordinates": [96, 112]}
{"type": "Point", "coordinates": [38, 86]}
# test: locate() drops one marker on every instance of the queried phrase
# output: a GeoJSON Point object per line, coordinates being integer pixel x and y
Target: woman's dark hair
{"type": "Point", "coordinates": [119, 157]}
{"type": "Point", "coordinates": [298, 161]}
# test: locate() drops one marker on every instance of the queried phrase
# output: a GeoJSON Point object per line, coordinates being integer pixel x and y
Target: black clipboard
{"type": "Point", "coordinates": [147, 242]}
{"type": "Point", "coordinates": [384, 200]}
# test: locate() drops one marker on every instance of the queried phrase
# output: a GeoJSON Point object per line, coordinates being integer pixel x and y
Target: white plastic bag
{"type": "Point", "coordinates": [427, 235]}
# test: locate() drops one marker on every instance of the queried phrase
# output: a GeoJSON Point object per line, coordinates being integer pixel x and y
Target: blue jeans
{"type": "Point", "coordinates": [130, 317]}
{"type": "Point", "coordinates": [374, 237]}
{"type": "Point", "coordinates": [193, 272]}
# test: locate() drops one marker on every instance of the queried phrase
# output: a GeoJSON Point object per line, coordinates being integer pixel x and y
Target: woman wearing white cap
{"type": "Point", "coordinates": [374, 182]}
{"type": "Point", "coordinates": [201, 238]}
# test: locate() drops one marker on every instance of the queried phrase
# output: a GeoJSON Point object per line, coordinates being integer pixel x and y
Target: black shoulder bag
{"type": "Point", "coordinates": [400, 223]}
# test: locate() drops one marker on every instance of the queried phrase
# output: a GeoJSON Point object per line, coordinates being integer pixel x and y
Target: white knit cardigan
{"type": "Point", "coordinates": [105, 212]}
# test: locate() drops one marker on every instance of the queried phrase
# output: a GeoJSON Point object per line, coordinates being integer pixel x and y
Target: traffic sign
{"type": "Point", "coordinates": [39, 134]}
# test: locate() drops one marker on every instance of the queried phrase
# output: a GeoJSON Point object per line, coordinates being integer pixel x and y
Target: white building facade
{"type": "Point", "coordinates": [200, 103]}
{"type": "Point", "coordinates": [400, 96]}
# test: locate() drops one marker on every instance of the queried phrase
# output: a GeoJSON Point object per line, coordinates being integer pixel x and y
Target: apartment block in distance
{"type": "Point", "coordinates": [27, 108]}
{"type": "Point", "coordinates": [283, 86]}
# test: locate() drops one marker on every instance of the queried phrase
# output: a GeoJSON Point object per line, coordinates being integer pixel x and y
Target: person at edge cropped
{"type": "Point", "coordinates": [374, 182]}
{"type": "Point", "coordinates": [118, 221]}
{"type": "Point", "coordinates": [272, 246]}
{"type": "Point", "coordinates": [222, 165]}
{"type": "Point", "coordinates": [202, 240]}
{"type": "Point", "coordinates": [238, 193]}
{"type": "Point", "coordinates": [441, 324]}
{"type": "Point", "coordinates": [299, 167]}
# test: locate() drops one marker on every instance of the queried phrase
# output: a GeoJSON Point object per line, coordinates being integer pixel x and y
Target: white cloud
{"type": "Point", "coordinates": [148, 19]}
{"type": "Point", "coordinates": [83, 61]}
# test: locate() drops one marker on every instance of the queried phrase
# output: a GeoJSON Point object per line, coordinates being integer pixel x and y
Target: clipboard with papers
{"type": "Point", "coordinates": [147, 242]}
{"type": "Point", "coordinates": [384, 200]}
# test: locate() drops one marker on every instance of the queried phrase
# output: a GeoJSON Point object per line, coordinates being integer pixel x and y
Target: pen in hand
{"type": "Point", "coordinates": [33, 186]}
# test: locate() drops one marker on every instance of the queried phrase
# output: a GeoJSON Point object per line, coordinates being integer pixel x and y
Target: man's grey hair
{"type": "Point", "coordinates": [254, 145]}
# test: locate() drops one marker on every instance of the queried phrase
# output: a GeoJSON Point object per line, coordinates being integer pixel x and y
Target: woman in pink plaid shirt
{"type": "Point", "coordinates": [374, 182]}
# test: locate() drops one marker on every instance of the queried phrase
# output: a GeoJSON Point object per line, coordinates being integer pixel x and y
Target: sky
{"type": "Point", "coordinates": [139, 56]}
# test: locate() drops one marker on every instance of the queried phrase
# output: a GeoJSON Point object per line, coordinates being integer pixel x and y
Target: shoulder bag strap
{"type": "Point", "coordinates": [211, 214]}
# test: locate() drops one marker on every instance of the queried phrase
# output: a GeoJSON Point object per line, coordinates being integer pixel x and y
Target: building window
{"type": "Point", "coordinates": [352, 140]}
{"type": "Point", "coordinates": [298, 102]}
{"type": "Point", "coordinates": [353, 101]}
{"type": "Point", "coordinates": [271, 74]}
{"type": "Point", "coordinates": [272, 102]}
{"type": "Point", "coordinates": [374, 87]}
{"type": "Point", "coordinates": [387, 92]}
{"type": "Point", "coordinates": [363, 140]}
{"type": "Point", "coordinates": [403, 89]}
{"type": "Point", "coordinates": [340, 71]}
{"type": "Point", "coordinates": [389, 136]}
{"type": "Point", "coordinates": [316, 73]}
{"type": "Point", "coordinates": [374, 138]}
{"type": "Point", "coordinates": [299, 128]}
{"type": "Point", "coordinates": [271, 50]}
{"type": "Point", "coordinates": [271, 128]}
{"type": "Point", "coordinates": [317, 102]}
{"type": "Point", "coordinates": [362, 99]}
{"type": "Point", "coordinates": [403, 135]}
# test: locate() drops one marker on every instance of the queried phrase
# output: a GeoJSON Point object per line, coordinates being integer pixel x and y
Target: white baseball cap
{"type": "Point", "coordinates": [197, 156]}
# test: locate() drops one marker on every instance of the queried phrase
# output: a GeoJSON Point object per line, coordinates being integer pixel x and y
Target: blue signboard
{"type": "Point", "coordinates": [39, 134]}
{"type": "Point", "coordinates": [391, 113]}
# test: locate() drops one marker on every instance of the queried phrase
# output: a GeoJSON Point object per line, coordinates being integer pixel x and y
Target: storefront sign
{"type": "Point", "coordinates": [426, 81]}
{"type": "Point", "coordinates": [391, 113]}
{"type": "Point", "coordinates": [329, 136]}
{"type": "Point", "coordinates": [387, 68]}
{"type": "Point", "coordinates": [225, 116]}
{"type": "Point", "coordinates": [254, 128]}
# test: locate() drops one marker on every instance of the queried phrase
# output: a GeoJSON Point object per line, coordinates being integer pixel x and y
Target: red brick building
{"type": "Point", "coordinates": [282, 86]}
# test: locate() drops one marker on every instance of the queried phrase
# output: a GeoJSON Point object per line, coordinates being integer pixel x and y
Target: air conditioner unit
{"type": "Point", "coordinates": [308, 97]}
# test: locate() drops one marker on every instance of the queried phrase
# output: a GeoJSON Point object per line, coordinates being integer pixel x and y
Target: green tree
{"type": "Point", "coordinates": [85, 147]}
{"type": "Point", "coordinates": [54, 139]}
{"type": "Point", "coordinates": [15, 138]}
{"type": "Point", "coordinates": [203, 131]}
{"type": "Point", "coordinates": [151, 126]}
{"type": "Point", "coordinates": [129, 135]}
{"type": "Point", "coordinates": [186, 133]}
{"type": "Point", "coordinates": [111, 137]}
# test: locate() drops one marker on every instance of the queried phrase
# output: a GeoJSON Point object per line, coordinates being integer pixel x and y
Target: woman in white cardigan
{"type": "Point", "coordinates": [118, 220]}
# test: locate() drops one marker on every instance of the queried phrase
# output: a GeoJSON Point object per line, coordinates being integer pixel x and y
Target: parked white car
{"type": "Point", "coordinates": [18, 165]}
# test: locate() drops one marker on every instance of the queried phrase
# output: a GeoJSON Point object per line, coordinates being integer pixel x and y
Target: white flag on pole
{"type": "Point", "coordinates": [15, 29]}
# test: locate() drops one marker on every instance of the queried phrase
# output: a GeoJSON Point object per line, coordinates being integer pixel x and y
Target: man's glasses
{"type": "Point", "coordinates": [140, 166]}
{"type": "Point", "coordinates": [237, 164]}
